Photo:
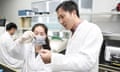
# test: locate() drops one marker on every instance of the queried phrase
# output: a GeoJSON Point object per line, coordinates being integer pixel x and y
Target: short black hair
{"type": "Point", "coordinates": [69, 6]}
{"type": "Point", "coordinates": [11, 25]}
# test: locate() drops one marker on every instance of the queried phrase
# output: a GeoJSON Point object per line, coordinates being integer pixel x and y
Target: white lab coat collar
{"type": "Point", "coordinates": [79, 27]}
{"type": "Point", "coordinates": [8, 35]}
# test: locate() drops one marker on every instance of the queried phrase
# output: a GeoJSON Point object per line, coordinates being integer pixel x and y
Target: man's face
{"type": "Point", "coordinates": [65, 18]}
{"type": "Point", "coordinates": [12, 31]}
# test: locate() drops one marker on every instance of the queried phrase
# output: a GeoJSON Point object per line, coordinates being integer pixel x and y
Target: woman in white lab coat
{"type": "Point", "coordinates": [33, 61]}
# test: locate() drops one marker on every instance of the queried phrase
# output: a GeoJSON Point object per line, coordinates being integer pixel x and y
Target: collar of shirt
{"type": "Point", "coordinates": [73, 30]}
{"type": "Point", "coordinates": [8, 35]}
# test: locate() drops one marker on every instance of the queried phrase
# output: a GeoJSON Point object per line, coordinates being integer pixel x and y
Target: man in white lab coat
{"type": "Point", "coordinates": [83, 48]}
{"type": "Point", "coordinates": [8, 47]}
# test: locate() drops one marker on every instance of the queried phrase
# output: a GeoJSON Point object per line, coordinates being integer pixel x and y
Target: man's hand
{"type": "Point", "coordinates": [45, 55]}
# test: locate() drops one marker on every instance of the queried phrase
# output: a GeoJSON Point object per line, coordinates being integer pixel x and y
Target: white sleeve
{"type": "Point", "coordinates": [14, 48]}
{"type": "Point", "coordinates": [35, 64]}
{"type": "Point", "coordinates": [83, 60]}
{"type": "Point", "coordinates": [7, 54]}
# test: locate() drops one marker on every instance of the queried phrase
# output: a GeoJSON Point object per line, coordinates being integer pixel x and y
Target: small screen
{"type": "Point", "coordinates": [2, 22]}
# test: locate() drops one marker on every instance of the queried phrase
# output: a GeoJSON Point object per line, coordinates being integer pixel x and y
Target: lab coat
{"type": "Point", "coordinates": [34, 63]}
{"type": "Point", "coordinates": [82, 51]}
{"type": "Point", "coordinates": [19, 56]}
{"type": "Point", "coordinates": [8, 51]}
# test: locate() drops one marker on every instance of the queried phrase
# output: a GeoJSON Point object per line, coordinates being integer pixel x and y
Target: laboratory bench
{"type": "Point", "coordinates": [4, 68]}
{"type": "Point", "coordinates": [107, 67]}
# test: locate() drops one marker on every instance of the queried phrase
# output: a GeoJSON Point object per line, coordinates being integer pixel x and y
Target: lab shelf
{"type": "Point", "coordinates": [25, 16]}
{"type": "Point", "coordinates": [100, 13]}
{"type": "Point", "coordinates": [24, 29]}
{"type": "Point", "coordinates": [81, 13]}
{"type": "Point", "coordinates": [40, 15]}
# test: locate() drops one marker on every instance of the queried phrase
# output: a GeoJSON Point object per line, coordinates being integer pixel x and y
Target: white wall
{"type": "Point", "coordinates": [106, 22]}
{"type": "Point", "coordinates": [103, 5]}
{"type": "Point", "coordinates": [10, 8]}
{"type": "Point", "coordinates": [0, 9]}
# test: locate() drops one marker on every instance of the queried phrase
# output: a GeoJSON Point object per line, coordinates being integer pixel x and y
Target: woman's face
{"type": "Point", "coordinates": [40, 31]}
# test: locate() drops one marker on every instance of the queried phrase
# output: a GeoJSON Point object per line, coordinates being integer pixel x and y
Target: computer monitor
{"type": "Point", "coordinates": [2, 22]}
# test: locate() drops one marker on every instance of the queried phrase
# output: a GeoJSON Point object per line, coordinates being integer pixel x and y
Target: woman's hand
{"type": "Point", "coordinates": [37, 48]}
{"type": "Point", "coordinates": [45, 55]}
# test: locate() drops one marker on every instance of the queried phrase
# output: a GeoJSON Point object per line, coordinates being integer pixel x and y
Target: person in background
{"type": "Point", "coordinates": [83, 48]}
{"type": "Point", "coordinates": [7, 47]}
